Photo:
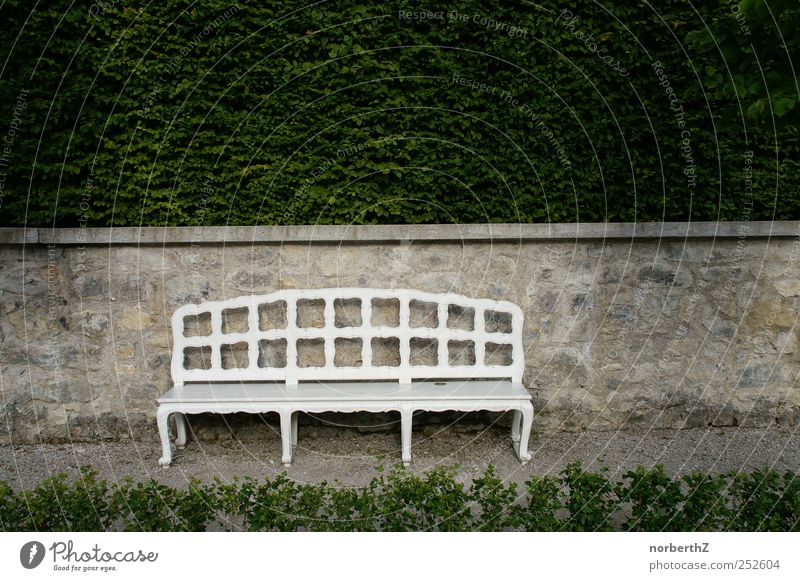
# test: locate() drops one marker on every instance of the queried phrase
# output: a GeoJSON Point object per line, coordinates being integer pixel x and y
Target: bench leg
{"type": "Point", "coordinates": [516, 426]}
{"type": "Point", "coordinates": [180, 425]}
{"type": "Point", "coordinates": [527, 421]}
{"type": "Point", "coordinates": [286, 437]}
{"type": "Point", "coordinates": [162, 415]}
{"type": "Point", "coordinates": [294, 428]}
{"type": "Point", "coordinates": [405, 434]}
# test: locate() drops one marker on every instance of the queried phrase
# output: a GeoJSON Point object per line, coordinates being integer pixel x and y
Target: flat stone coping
{"type": "Point", "coordinates": [399, 233]}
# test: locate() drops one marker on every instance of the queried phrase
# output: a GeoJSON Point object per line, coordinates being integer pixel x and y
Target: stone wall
{"type": "Point", "coordinates": [626, 326]}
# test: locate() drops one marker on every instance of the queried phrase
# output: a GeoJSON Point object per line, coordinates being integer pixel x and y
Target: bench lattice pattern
{"type": "Point", "coordinates": [265, 338]}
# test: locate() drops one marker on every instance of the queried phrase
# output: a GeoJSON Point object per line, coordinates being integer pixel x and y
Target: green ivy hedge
{"type": "Point", "coordinates": [218, 112]}
{"type": "Point", "coordinates": [575, 500]}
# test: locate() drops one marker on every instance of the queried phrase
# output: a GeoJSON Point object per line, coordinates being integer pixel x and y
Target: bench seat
{"type": "Point", "coordinates": [346, 391]}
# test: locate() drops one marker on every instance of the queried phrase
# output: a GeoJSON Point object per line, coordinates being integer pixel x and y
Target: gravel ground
{"type": "Point", "coordinates": [352, 459]}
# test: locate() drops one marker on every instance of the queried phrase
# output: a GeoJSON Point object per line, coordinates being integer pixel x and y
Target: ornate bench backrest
{"type": "Point", "coordinates": [341, 334]}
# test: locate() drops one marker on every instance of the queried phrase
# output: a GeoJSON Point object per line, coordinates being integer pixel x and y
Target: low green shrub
{"type": "Point", "coordinates": [590, 499]}
{"type": "Point", "coordinates": [150, 506]}
{"type": "Point", "coordinates": [538, 508]}
{"type": "Point", "coordinates": [655, 500]}
{"type": "Point", "coordinates": [57, 505]}
{"type": "Point", "coordinates": [575, 500]}
{"type": "Point", "coordinates": [763, 501]}
{"type": "Point", "coordinates": [705, 504]}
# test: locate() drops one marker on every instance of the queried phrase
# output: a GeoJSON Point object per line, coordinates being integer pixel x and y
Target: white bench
{"type": "Point", "coordinates": [346, 350]}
